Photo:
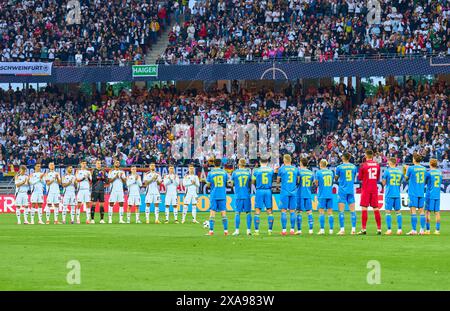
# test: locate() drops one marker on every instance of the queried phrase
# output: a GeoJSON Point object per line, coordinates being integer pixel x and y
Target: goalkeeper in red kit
{"type": "Point", "coordinates": [369, 175]}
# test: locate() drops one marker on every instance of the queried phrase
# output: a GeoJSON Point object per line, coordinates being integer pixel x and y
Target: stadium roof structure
{"type": "Point", "coordinates": [244, 71]}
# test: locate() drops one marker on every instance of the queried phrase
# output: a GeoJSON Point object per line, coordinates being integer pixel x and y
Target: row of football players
{"type": "Point", "coordinates": [77, 194]}
{"type": "Point", "coordinates": [295, 195]}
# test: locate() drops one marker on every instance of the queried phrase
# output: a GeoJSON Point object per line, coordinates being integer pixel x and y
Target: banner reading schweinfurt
{"type": "Point", "coordinates": [26, 68]}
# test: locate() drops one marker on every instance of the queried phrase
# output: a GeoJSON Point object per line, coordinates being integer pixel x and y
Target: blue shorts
{"type": "Point", "coordinates": [218, 205]}
{"type": "Point", "coordinates": [263, 199]}
{"type": "Point", "coordinates": [433, 205]}
{"type": "Point", "coordinates": [288, 202]}
{"type": "Point", "coordinates": [326, 203]}
{"type": "Point", "coordinates": [243, 205]}
{"type": "Point", "coordinates": [346, 198]}
{"type": "Point", "coordinates": [392, 204]}
{"type": "Point", "coordinates": [416, 201]}
{"type": "Point", "coordinates": [304, 204]}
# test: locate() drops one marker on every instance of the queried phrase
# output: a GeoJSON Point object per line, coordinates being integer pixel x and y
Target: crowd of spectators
{"type": "Point", "coordinates": [136, 126]}
{"type": "Point", "coordinates": [118, 31]}
{"type": "Point", "coordinates": [233, 31]}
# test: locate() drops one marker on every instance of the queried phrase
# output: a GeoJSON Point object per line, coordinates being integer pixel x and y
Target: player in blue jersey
{"type": "Point", "coordinates": [415, 176]}
{"type": "Point", "coordinates": [433, 180]}
{"type": "Point", "coordinates": [217, 180]}
{"type": "Point", "coordinates": [392, 180]}
{"type": "Point", "coordinates": [288, 174]}
{"type": "Point", "coordinates": [262, 178]}
{"type": "Point", "coordinates": [345, 175]}
{"type": "Point", "coordinates": [304, 203]}
{"type": "Point", "coordinates": [324, 182]}
{"type": "Point", "coordinates": [241, 179]}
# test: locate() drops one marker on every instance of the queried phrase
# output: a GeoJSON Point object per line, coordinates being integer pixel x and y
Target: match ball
{"type": "Point", "coordinates": [206, 224]}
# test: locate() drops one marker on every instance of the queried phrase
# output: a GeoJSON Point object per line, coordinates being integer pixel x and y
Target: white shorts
{"type": "Point", "coordinates": [134, 200]}
{"type": "Point", "coordinates": [171, 200]}
{"type": "Point", "coordinates": [69, 199]}
{"type": "Point", "coordinates": [53, 198]}
{"type": "Point", "coordinates": [37, 197]}
{"type": "Point", "coordinates": [152, 198]}
{"type": "Point", "coordinates": [84, 196]}
{"type": "Point", "coordinates": [116, 196]}
{"type": "Point", "coordinates": [190, 198]}
{"type": "Point", "coordinates": [21, 199]}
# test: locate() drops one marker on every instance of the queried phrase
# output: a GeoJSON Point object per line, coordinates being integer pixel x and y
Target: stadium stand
{"type": "Point", "coordinates": [232, 31]}
{"type": "Point", "coordinates": [113, 32]}
{"type": "Point", "coordinates": [135, 127]}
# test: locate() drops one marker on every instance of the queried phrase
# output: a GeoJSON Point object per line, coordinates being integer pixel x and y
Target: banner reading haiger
{"type": "Point", "coordinates": [26, 68]}
{"type": "Point", "coordinates": [7, 202]}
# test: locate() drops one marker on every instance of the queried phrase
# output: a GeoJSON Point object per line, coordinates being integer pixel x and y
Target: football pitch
{"type": "Point", "coordinates": [181, 257]}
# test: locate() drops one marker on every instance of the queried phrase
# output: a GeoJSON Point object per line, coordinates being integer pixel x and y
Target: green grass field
{"type": "Point", "coordinates": [181, 257]}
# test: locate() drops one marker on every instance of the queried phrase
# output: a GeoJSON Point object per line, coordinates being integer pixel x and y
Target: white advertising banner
{"type": "Point", "coordinates": [26, 68]}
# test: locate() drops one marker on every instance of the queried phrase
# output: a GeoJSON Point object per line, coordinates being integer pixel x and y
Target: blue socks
{"type": "Point", "coordinates": [422, 221]}
{"type": "Point", "coordinates": [322, 221]}
{"type": "Point", "coordinates": [211, 224]}
{"type": "Point", "coordinates": [299, 221]}
{"type": "Point", "coordinates": [225, 223]}
{"type": "Point", "coordinates": [399, 220]}
{"type": "Point", "coordinates": [249, 221]}
{"type": "Point", "coordinates": [256, 221]}
{"type": "Point", "coordinates": [293, 218]}
{"type": "Point", "coordinates": [414, 221]}
{"type": "Point", "coordinates": [389, 221]}
{"type": "Point", "coordinates": [353, 219]}
{"type": "Point", "coordinates": [237, 220]}
{"type": "Point", "coordinates": [331, 221]}
{"type": "Point", "coordinates": [438, 226]}
{"type": "Point", "coordinates": [310, 221]}
{"type": "Point", "coordinates": [428, 226]}
{"type": "Point", "coordinates": [341, 220]}
{"type": "Point", "coordinates": [270, 219]}
{"type": "Point", "coordinates": [283, 220]}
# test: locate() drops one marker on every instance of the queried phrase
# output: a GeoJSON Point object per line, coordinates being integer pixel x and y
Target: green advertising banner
{"type": "Point", "coordinates": [145, 70]}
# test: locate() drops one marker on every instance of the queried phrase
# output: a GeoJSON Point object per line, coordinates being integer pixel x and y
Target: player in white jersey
{"type": "Point", "coordinates": [152, 181]}
{"type": "Point", "coordinates": [171, 182]}
{"type": "Point", "coordinates": [134, 184]}
{"type": "Point", "coordinates": [69, 199]}
{"type": "Point", "coordinates": [83, 179]}
{"type": "Point", "coordinates": [21, 202]}
{"type": "Point", "coordinates": [37, 193]}
{"type": "Point", "coordinates": [116, 178]}
{"type": "Point", "coordinates": [52, 180]}
{"type": "Point", "coordinates": [192, 184]}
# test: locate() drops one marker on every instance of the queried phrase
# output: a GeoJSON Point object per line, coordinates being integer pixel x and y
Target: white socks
{"type": "Point", "coordinates": [147, 213]}
{"type": "Point", "coordinates": [194, 212]}
{"type": "Point", "coordinates": [110, 212]}
{"type": "Point", "coordinates": [156, 212]}
{"type": "Point", "coordinates": [18, 214]}
{"type": "Point", "coordinates": [185, 210]}
{"type": "Point", "coordinates": [121, 212]}
{"type": "Point", "coordinates": [56, 213]}
{"type": "Point", "coordinates": [39, 210]}
{"type": "Point", "coordinates": [33, 212]}
{"type": "Point", "coordinates": [175, 213]}
{"type": "Point", "coordinates": [167, 213]}
{"type": "Point", "coordinates": [88, 211]}
{"type": "Point", "coordinates": [47, 213]}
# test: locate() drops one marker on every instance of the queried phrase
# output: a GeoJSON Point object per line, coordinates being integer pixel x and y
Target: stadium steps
{"type": "Point", "coordinates": [6, 185]}
{"type": "Point", "coordinates": [160, 46]}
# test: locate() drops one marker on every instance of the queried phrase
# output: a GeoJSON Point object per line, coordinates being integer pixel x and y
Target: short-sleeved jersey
{"type": "Point", "coordinates": [433, 180]}
{"type": "Point", "coordinates": [263, 177]}
{"type": "Point", "coordinates": [306, 181]}
{"type": "Point", "coordinates": [218, 179]}
{"type": "Point", "coordinates": [155, 179]}
{"type": "Point", "coordinates": [134, 185]}
{"type": "Point", "coordinates": [18, 180]}
{"type": "Point", "coordinates": [191, 184]}
{"type": "Point", "coordinates": [241, 181]}
{"type": "Point", "coordinates": [393, 178]}
{"type": "Point", "coordinates": [346, 173]}
{"type": "Point", "coordinates": [416, 180]}
{"type": "Point", "coordinates": [83, 177]}
{"type": "Point", "coordinates": [51, 177]}
{"type": "Point", "coordinates": [288, 175]}
{"type": "Point", "coordinates": [369, 175]}
{"type": "Point", "coordinates": [70, 188]}
{"type": "Point", "coordinates": [171, 181]}
{"type": "Point", "coordinates": [117, 184]}
{"type": "Point", "coordinates": [325, 178]}
{"type": "Point", "coordinates": [36, 183]}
